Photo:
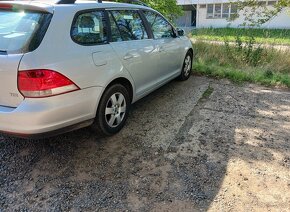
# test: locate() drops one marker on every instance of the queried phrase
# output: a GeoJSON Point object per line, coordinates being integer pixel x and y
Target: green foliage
{"type": "Point", "coordinates": [267, 67]}
{"type": "Point", "coordinates": [243, 54]}
{"type": "Point", "coordinates": [246, 52]}
{"type": "Point", "coordinates": [264, 36]}
{"type": "Point", "coordinates": [168, 8]}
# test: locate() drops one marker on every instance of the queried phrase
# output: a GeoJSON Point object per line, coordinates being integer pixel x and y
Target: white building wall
{"type": "Point", "coordinates": [280, 21]}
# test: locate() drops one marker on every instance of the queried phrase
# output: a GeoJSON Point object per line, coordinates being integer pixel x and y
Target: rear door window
{"type": "Point", "coordinates": [129, 24]}
{"type": "Point", "coordinates": [19, 30]}
{"type": "Point", "coordinates": [90, 28]}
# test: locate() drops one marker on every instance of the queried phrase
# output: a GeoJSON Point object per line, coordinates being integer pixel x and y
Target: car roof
{"type": "Point", "coordinates": [81, 3]}
{"type": "Point", "coordinates": [51, 5]}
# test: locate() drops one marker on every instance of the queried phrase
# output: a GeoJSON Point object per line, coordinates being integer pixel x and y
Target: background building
{"type": "Point", "coordinates": [216, 13]}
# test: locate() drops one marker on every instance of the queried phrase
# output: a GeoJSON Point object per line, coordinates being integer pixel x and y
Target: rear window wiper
{"type": "Point", "coordinates": [3, 52]}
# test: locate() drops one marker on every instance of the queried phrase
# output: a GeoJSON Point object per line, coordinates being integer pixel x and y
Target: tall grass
{"type": "Point", "coordinates": [243, 62]}
{"type": "Point", "coordinates": [265, 36]}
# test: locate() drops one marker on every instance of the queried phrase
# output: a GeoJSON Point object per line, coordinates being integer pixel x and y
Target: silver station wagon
{"type": "Point", "coordinates": [71, 64]}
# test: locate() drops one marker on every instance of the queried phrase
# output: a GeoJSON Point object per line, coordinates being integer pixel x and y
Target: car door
{"type": "Point", "coordinates": [134, 46]}
{"type": "Point", "coordinates": [166, 43]}
{"type": "Point", "coordinates": [93, 52]}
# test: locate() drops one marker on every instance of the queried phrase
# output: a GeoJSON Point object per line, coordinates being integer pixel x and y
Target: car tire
{"type": "Point", "coordinates": [113, 110]}
{"type": "Point", "coordinates": [187, 67]}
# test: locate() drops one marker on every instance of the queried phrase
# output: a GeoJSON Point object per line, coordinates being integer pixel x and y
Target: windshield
{"type": "Point", "coordinates": [17, 29]}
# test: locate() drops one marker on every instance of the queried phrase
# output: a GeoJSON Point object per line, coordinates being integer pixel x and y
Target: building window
{"type": "Point", "coordinates": [210, 11]}
{"type": "Point", "coordinates": [218, 11]}
{"type": "Point", "coordinates": [233, 10]}
{"type": "Point", "coordinates": [226, 11]}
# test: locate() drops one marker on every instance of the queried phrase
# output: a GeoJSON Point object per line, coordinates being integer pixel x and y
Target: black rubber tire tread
{"type": "Point", "coordinates": [182, 77]}
{"type": "Point", "coordinates": [100, 125]}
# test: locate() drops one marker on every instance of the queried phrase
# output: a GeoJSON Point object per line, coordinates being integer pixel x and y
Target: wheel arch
{"type": "Point", "coordinates": [186, 50]}
{"type": "Point", "coordinates": [126, 83]}
{"type": "Point", "coordinates": [190, 50]}
{"type": "Point", "coordinates": [98, 124]}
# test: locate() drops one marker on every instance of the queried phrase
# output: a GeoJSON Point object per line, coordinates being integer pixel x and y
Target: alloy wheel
{"type": "Point", "coordinates": [115, 110]}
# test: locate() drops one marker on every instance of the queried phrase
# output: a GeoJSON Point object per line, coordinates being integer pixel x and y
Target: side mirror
{"type": "Point", "coordinates": [180, 32]}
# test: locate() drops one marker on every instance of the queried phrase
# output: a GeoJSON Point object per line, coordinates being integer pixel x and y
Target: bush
{"type": "Point", "coordinates": [247, 52]}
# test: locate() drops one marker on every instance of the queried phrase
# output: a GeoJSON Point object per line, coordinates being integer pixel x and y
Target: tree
{"type": "Point", "coordinates": [256, 12]}
{"type": "Point", "coordinates": [168, 8]}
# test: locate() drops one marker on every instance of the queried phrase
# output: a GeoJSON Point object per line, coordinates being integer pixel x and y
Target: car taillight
{"type": "Point", "coordinates": [6, 6]}
{"type": "Point", "coordinates": [44, 83]}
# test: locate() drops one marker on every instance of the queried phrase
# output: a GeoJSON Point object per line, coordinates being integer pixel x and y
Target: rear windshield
{"type": "Point", "coordinates": [22, 31]}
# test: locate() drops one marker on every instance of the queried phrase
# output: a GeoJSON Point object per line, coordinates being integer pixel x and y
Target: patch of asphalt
{"type": "Point", "coordinates": [199, 176]}
{"type": "Point", "coordinates": [242, 143]}
{"type": "Point", "coordinates": [253, 101]}
{"type": "Point", "coordinates": [166, 112]}
{"type": "Point", "coordinates": [191, 119]}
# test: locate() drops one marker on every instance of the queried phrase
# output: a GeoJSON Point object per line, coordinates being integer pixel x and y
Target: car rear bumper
{"type": "Point", "coordinates": [45, 117]}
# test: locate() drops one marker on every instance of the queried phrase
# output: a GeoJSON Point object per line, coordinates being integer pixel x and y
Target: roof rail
{"type": "Point", "coordinates": [66, 2]}
{"type": "Point", "coordinates": [100, 1]}
{"type": "Point", "coordinates": [72, 1]}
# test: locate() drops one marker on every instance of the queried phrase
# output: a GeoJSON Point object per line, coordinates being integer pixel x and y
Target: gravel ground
{"type": "Point", "coordinates": [198, 145]}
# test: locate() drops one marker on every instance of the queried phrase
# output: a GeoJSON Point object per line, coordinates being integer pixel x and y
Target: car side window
{"type": "Point", "coordinates": [115, 33]}
{"type": "Point", "coordinates": [90, 28]}
{"type": "Point", "coordinates": [161, 28]}
{"type": "Point", "coordinates": [129, 24]}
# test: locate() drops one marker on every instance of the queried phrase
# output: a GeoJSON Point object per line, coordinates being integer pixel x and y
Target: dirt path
{"type": "Point", "coordinates": [199, 145]}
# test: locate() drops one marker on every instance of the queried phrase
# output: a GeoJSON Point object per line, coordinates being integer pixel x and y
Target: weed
{"type": "Point", "coordinates": [207, 93]}
{"type": "Point", "coordinates": [264, 66]}
{"type": "Point", "coordinates": [244, 51]}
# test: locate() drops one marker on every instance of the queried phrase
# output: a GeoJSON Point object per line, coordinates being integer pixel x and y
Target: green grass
{"type": "Point", "coordinates": [265, 36]}
{"type": "Point", "coordinates": [272, 69]}
{"type": "Point", "coordinates": [240, 76]}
